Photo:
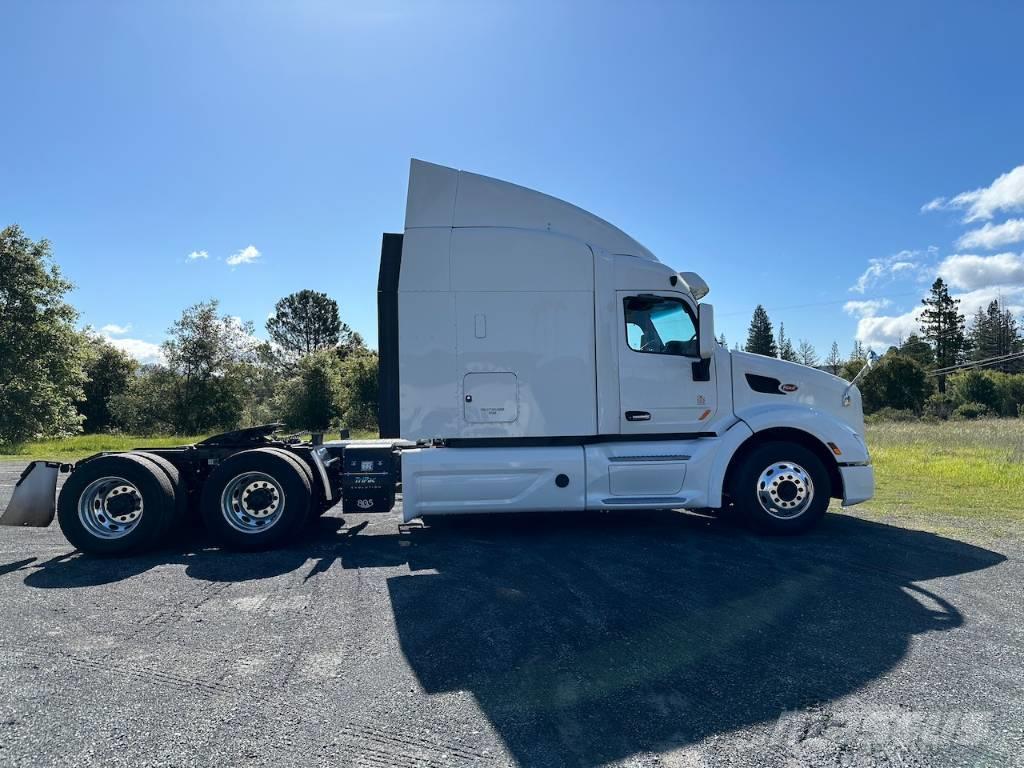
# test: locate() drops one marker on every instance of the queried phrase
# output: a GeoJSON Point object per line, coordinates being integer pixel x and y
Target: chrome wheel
{"type": "Point", "coordinates": [785, 490]}
{"type": "Point", "coordinates": [110, 507]}
{"type": "Point", "coordinates": [252, 502]}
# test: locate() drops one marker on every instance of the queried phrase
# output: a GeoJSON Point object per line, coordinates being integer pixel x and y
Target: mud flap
{"type": "Point", "coordinates": [35, 496]}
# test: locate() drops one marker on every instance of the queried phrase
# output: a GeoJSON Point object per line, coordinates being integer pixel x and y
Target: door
{"type": "Point", "coordinates": [664, 386]}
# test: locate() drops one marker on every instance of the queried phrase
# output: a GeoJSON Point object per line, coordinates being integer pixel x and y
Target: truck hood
{"type": "Point", "coordinates": [766, 381]}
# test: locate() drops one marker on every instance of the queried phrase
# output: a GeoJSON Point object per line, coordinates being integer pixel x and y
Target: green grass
{"type": "Point", "coordinates": [942, 475]}
{"type": "Point", "coordinates": [952, 472]}
{"type": "Point", "coordinates": [80, 446]}
{"type": "Point", "coordinates": [70, 449]}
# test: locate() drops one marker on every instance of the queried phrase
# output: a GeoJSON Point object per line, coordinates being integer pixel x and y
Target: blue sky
{"type": "Point", "coordinates": [782, 150]}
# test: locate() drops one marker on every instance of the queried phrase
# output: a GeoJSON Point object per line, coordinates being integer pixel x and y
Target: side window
{"type": "Point", "coordinates": [660, 325]}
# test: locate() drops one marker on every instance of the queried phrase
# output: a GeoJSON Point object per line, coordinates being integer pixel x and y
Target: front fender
{"type": "Point", "coordinates": [826, 428]}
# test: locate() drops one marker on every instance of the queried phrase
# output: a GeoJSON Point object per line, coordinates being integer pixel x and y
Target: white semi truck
{"type": "Point", "coordinates": [533, 357]}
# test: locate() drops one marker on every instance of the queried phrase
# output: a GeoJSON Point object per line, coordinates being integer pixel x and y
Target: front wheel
{"type": "Point", "coordinates": [781, 488]}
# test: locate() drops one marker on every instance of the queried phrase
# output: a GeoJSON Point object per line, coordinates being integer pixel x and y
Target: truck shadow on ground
{"type": "Point", "coordinates": [588, 639]}
{"type": "Point", "coordinates": [588, 643]}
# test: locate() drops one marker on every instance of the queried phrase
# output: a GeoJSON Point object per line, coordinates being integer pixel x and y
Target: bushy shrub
{"type": "Point", "coordinates": [895, 383]}
{"type": "Point", "coordinates": [147, 406]}
{"type": "Point", "coordinates": [970, 411]}
{"type": "Point", "coordinates": [1009, 391]}
{"type": "Point", "coordinates": [890, 414]}
{"type": "Point", "coordinates": [327, 390]}
{"type": "Point", "coordinates": [110, 373]}
{"type": "Point", "coordinates": [974, 387]}
{"type": "Point", "coordinates": [939, 406]}
{"type": "Point", "coordinates": [359, 391]}
{"type": "Point", "coordinates": [311, 399]}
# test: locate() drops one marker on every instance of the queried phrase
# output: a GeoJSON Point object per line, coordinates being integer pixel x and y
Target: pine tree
{"type": "Point", "coordinates": [977, 336]}
{"type": "Point", "coordinates": [722, 341]}
{"type": "Point", "coordinates": [994, 333]}
{"type": "Point", "coordinates": [943, 325]}
{"type": "Point", "coordinates": [806, 354]}
{"type": "Point", "coordinates": [760, 338]}
{"type": "Point", "coordinates": [1013, 341]}
{"type": "Point", "coordinates": [834, 361]}
{"type": "Point", "coordinates": [917, 349]}
{"type": "Point", "coordinates": [857, 353]}
{"type": "Point", "coordinates": [786, 351]}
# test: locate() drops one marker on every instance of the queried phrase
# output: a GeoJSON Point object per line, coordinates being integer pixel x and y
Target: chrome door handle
{"type": "Point", "coordinates": [638, 416]}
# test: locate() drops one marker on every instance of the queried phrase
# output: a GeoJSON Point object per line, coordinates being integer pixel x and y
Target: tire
{"type": "Point", "coordinates": [175, 523]}
{"type": "Point", "coordinates": [318, 506]}
{"type": "Point", "coordinates": [781, 488]}
{"type": "Point", "coordinates": [256, 500]}
{"type": "Point", "coordinates": [94, 494]}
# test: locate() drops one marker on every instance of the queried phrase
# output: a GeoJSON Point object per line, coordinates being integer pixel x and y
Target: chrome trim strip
{"type": "Point", "coordinates": [652, 501]}
{"type": "Point", "coordinates": [654, 457]}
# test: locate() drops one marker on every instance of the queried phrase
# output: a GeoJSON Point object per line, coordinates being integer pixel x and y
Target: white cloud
{"type": "Point", "coordinates": [1009, 297]}
{"type": "Point", "coordinates": [197, 255]}
{"type": "Point", "coordinates": [247, 255]}
{"type": "Point", "coordinates": [993, 236]}
{"type": "Point", "coordinates": [889, 267]}
{"type": "Point", "coordinates": [143, 351]}
{"type": "Point", "coordinates": [866, 308]}
{"type": "Point", "coordinates": [970, 272]}
{"type": "Point", "coordinates": [881, 332]}
{"type": "Point", "coordinates": [115, 329]}
{"type": "Point", "coordinates": [1004, 194]}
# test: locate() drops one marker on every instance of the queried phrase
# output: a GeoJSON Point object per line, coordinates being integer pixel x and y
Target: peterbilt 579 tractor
{"type": "Point", "coordinates": [533, 358]}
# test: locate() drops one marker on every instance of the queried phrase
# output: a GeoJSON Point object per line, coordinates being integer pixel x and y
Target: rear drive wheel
{"type": "Point", "coordinates": [781, 488]}
{"type": "Point", "coordinates": [318, 503]}
{"type": "Point", "coordinates": [174, 523]}
{"type": "Point", "coordinates": [116, 505]}
{"type": "Point", "coordinates": [256, 500]}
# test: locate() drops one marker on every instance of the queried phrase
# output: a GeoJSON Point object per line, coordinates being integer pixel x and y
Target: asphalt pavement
{"type": "Point", "coordinates": [646, 639]}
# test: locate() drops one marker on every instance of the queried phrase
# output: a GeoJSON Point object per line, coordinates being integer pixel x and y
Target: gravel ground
{"type": "Point", "coordinates": [654, 639]}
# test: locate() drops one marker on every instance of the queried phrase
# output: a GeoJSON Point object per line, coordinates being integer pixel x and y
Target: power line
{"type": "Point", "coordinates": [986, 363]}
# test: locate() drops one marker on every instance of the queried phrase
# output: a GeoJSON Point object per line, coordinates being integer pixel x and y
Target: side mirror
{"type": "Point", "coordinates": [706, 326]}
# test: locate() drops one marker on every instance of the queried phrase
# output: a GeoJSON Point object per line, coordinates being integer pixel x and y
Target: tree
{"type": "Point", "coordinates": [110, 372]}
{"type": "Point", "coordinates": [975, 387]}
{"type": "Point", "coordinates": [760, 337]}
{"type": "Point", "coordinates": [306, 322]}
{"type": "Point", "coordinates": [857, 353]}
{"type": "Point", "coordinates": [994, 333]}
{"type": "Point", "coordinates": [918, 350]}
{"type": "Point", "coordinates": [722, 341]}
{"type": "Point", "coordinates": [851, 368]}
{"type": "Point", "coordinates": [148, 406]}
{"type": "Point", "coordinates": [311, 399]}
{"type": "Point", "coordinates": [834, 361]}
{"type": "Point", "coordinates": [204, 352]}
{"type": "Point", "coordinates": [261, 380]}
{"type": "Point", "coordinates": [806, 354]}
{"type": "Point", "coordinates": [786, 351]}
{"type": "Point", "coordinates": [894, 382]}
{"type": "Point", "coordinates": [943, 325]}
{"type": "Point", "coordinates": [41, 353]}
{"type": "Point", "coordinates": [351, 343]}
{"type": "Point", "coordinates": [359, 390]}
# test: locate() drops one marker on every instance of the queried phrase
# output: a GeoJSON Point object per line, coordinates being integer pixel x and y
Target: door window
{"type": "Point", "coordinates": [660, 325]}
